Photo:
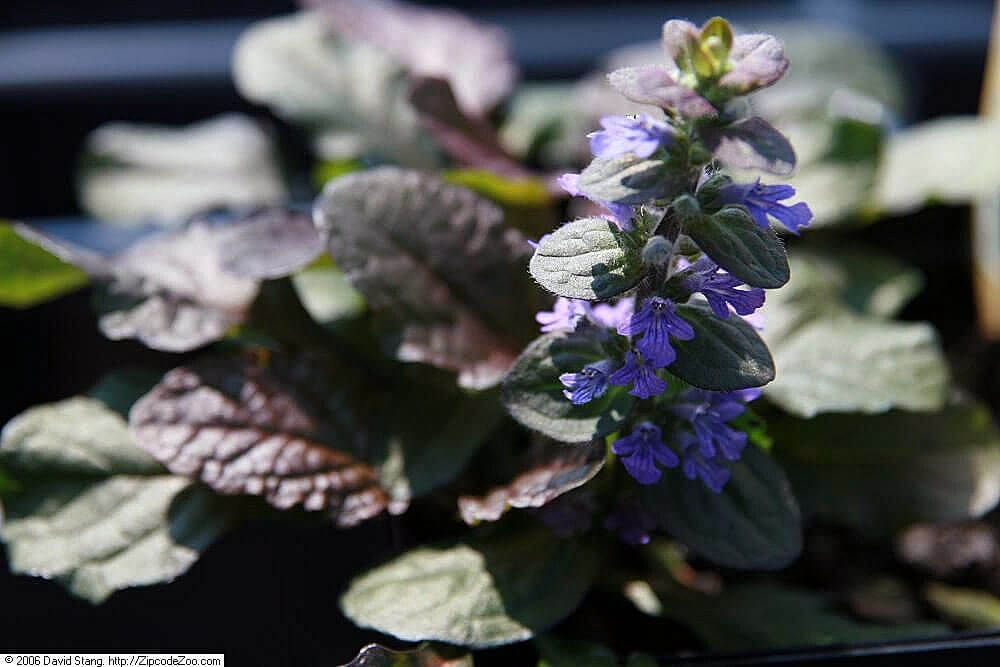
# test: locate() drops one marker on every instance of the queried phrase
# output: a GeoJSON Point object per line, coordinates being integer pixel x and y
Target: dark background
{"type": "Point", "coordinates": [267, 594]}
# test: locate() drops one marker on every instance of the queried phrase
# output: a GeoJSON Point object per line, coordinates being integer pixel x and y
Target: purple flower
{"type": "Point", "coordinates": [641, 374]}
{"type": "Point", "coordinates": [588, 384]}
{"type": "Point", "coordinates": [635, 133]}
{"type": "Point", "coordinates": [657, 321]}
{"type": "Point", "coordinates": [697, 466]}
{"type": "Point", "coordinates": [632, 523]}
{"type": "Point", "coordinates": [762, 200]}
{"type": "Point", "coordinates": [564, 315]}
{"type": "Point", "coordinates": [721, 291]}
{"type": "Point", "coordinates": [620, 214]}
{"type": "Point", "coordinates": [642, 450]}
{"type": "Point", "coordinates": [609, 315]}
{"type": "Point", "coordinates": [708, 412]}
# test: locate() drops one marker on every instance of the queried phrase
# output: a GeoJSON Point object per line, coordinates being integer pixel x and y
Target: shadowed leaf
{"type": "Point", "coordinates": [240, 430]}
{"type": "Point", "coordinates": [754, 524]}
{"type": "Point", "coordinates": [751, 143]}
{"type": "Point", "coordinates": [724, 355]}
{"type": "Point", "coordinates": [470, 140]}
{"type": "Point", "coordinates": [560, 469]}
{"type": "Point", "coordinates": [877, 473]}
{"type": "Point", "coordinates": [733, 241]}
{"type": "Point", "coordinates": [534, 396]}
{"type": "Point", "coordinates": [769, 615]}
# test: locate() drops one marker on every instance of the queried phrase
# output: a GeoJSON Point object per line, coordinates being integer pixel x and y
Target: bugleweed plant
{"type": "Point", "coordinates": [365, 359]}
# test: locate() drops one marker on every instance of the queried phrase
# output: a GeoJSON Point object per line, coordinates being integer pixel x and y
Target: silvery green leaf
{"type": "Point", "coordinates": [751, 143]}
{"type": "Point", "coordinates": [757, 62]}
{"type": "Point", "coordinates": [587, 259]}
{"type": "Point", "coordinates": [843, 362]}
{"type": "Point", "coordinates": [243, 430]}
{"type": "Point", "coordinates": [737, 244]}
{"type": "Point", "coordinates": [754, 524]}
{"type": "Point", "coordinates": [827, 331]}
{"type": "Point", "coordinates": [425, 42]}
{"type": "Point", "coordinates": [436, 261]}
{"type": "Point", "coordinates": [425, 655]}
{"type": "Point", "coordinates": [29, 273]}
{"type": "Point", "coordinates": [534, 396]}
{"type": "Point", "coordinates": [491, 591]}
{"type": "Point", "coordinates": [724, 355]}
{"type": "Point", "coordinates": [878, 473]}
{"type": "Point", "coordinates": [555, 470]}
{"type": "Point", "coordinates": [629, 180]}
{"type": "Point", "coordinates": [134, 173]}
{"type": "Point", "coordinates": [92, 510]}
{"type": "Point", "coordinates": [951, 145]}
{"type": "Point", "coordinates": [351, 95]}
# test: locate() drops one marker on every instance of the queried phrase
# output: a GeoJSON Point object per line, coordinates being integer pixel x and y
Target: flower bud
{"type": "Point", "coordinates": [686, 209]}
{"type": "Point", "coordinates": [657, 251]}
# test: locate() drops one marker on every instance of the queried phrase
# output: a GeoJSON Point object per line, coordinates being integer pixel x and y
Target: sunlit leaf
{"type": "Point", "coordinates": [30, 275]}
{"type": "Point", "coordinates": [833, 348]}
{"type": "Point", "coordinates": [966, 607]}
{"type": "Point", "coordinates": [488, 592]}
{"type": "Point", "coordinates": [92, 510]}
{"type": "Point", "coordinates": [134, 173]}
{"type": "Point", "coordinates": [425, 41]}
{"type": "Point", "coordinates": [587, 259]}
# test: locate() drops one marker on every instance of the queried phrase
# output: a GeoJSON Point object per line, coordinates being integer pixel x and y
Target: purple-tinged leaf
{"type": "Point", "coordinates": [657, 85]}
{"type": "Point", "coordinates": [436, 262]}
{"type": "Point", "coordinates": [473, 57]}
{"type": "Point", "coordinates": [757, 62]}
{"type": "Point", "coordinates": [469, 140]}
{"type": "Point", "coordinates": [270, 244]}
{"type": "Point", "coordinates": [678, 39]}
{"type": "Point", "coordinates": [182, 289]}
{"type": "Point", "coordinates": [240, 429]}
{"type": "Point", "coordinates": [559, 469]}
{"type": "Point", "coordinates": [751, 143]}
{"type": "Point", "coordinates": [425, 655]}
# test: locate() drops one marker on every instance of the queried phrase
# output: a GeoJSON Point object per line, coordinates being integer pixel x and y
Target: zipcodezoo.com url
{"type": "Point", "coordinates": [113, 660]}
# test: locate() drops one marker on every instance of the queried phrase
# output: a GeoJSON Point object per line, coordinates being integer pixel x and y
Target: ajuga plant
{"type": "Point", "coordinates": [358, 365]}
{"type": "Point", "coordinates": [687, 253]}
